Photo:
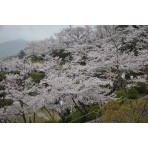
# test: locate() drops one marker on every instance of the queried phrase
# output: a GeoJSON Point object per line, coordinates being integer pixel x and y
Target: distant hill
{"type": "Point", "coordinates": [12, 48]}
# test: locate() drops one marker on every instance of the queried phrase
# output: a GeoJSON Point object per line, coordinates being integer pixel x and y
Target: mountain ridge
{"type": "Point", "coordinates": [11, 48]}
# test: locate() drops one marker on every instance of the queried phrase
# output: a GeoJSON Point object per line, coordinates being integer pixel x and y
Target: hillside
{"type": "Point", "coordinates": [77, 68]}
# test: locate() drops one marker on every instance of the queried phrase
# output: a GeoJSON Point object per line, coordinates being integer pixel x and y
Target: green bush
{"type": "Point", "coordinates": [2, 75]}
{"type": "Point", "coordinates": [5, 102]}
{"type": "Point", "coordinates": [121, 26]}
{"type": "Point", "coordinates": [97, 75]}
{"type": "Point", "coordinates": [2, 87]}
{"type": "Point", "coordinates": [140, 87]}
{"type": "Point", "coordinates": [2, 94]}
{"type": "Point", "coordinates": [35, 59]}
{"type": "Point", "coordinates": [120, 94]}
{"type": "Point", "coordinates": [83, 63]}
{"type": "Point", "coordinates": [33, 93]}
{"type": "Point", "coordinates": [61, 54]}
{"type": "Point", "coordinates": [37, 76]}
{"type": "Point", "coordinates": [132, 93]}
{"type": "Point", "coordinates": [105, 86]}
{"type": "Point", "coordinates": [15, 72]}
{"type": "Point", "coordinates": [125, 111]}
{"type": "Point", "coordinates": [21, 54]}
{"type": "Point", "coordinates": [134, 74]}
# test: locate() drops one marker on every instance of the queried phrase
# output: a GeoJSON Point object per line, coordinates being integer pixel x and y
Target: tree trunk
{"type": "Point", "coordinates": [24, 118]}
{"type": "Point", "coordinates": [48, 112]}
{"type": "Point", "coordinates": [77, 107]}
{"type": "Point", "coordinates": [34, 117]}
{"type": "Point", "coordinates": [83, 106]}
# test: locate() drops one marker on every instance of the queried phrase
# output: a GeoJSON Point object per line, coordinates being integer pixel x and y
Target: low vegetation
{"type": "Point", "coordinates": [15, 72]}
{"type": "Point", "coordinates": [37, 76]}
{"type": "Point", "coordinates": [5, 102]}
{"type": "Point", "coordinates": [2, 75]}
{"type": "Point", "coordinates": [125, 111]}
{"type": "Point", "coordinates": [35, 59]}
{"type": "Point", "coordinates": [62, 54]}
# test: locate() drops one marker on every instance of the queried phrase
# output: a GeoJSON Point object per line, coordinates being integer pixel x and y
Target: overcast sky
{"type": "Point", "coordinates": [27, 32]}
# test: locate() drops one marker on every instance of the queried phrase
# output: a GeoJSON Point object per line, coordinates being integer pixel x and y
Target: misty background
{"type": "Point", "coordinates": [14, 38]}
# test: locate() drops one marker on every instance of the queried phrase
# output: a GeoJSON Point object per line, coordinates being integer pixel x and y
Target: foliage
{"type": "Point", "coordinates": [77, 117]}
{"type": "Point", "coordinates": [33, 93]}
{"type": "Point", "coordinates": [99, 73]}
{"type": "Point", "coordinates": [15, 72]}
{"type": "Point", "coordinates": [104, 86]}
{"type": "Point", "coordinates": [132, 73]}
{"type": "Point", "coordinates": [140, 87]}
{"type": "Point", "coordinates": [121, 26]}
{"type": "Point", "coordinates": [132, 93]}
{"type": "Point", "coordinates": [2, 87]}
{"type": "Point", "coordinates": [37, 76]}
{"type": "Point", "coordinates": [21, 54]}
{"type": "Point", "coordinates": [125, 111]}
{"type": "Point", "coordinates": [120, 94]}
{"type": "Point", "coordinates": [2, 75]}
{"type": "Point", "coordinates": [83, 63]}
{"type": "Point", "coordinates": [2, 94]}
{"type": "Point", "coordinates": [35, 59]}
{"type": "Point", "coordinates": [5, 102]}
{"type": "Point", "coordinates": [62, 54]}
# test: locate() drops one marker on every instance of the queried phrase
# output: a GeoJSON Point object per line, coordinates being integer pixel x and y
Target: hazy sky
{"type": "Point", "coordinates": [27, 32]}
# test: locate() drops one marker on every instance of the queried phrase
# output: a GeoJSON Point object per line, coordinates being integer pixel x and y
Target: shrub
{"type": "Point", "coordinates": [83, 63]}
{"type": "Point", "coordinates": [134, 74]}
{"type": "Point", "coordinates": [5, 102]}
{"type": "Point", "coordinates": [125, 111]}
{"type": "Point", "coordinates": [140, 87]}
{"type": "Point", "coordinates": [105, 86]}
{"type": "Point", "coordinates": [120, 94]}
{"type": "Point", "coordinates": [35, 59]}
{"type": "Point", "coordinates": [2, 75]}
{"type": "Point", "coordinates": [61, 54]}
{"type": "Point", "coordinates": [97, 75]}
{"type": "Point", "coordinates": [77, 117]}
{"type": "Point", "coordinates": [21, 54]}
{"type": "Point", "coordinates": [33, 93]}
{"type": "Point", "coordinates": [15, 72]}
{"type": "Point", "coordinates": [122, 26]}
{"type": "Point", "coordinates": [2, 87]}
{"type": "Point", "coordinates": [84, 57]}
{"type": "Point", "coordinates": [37, 76]}
{"type": "Point", "coordinates": [2, 94]}
{"type": "Point", "coordinates": [103, 71]}
{"type": "Point", "coordinates": [132, 93]}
